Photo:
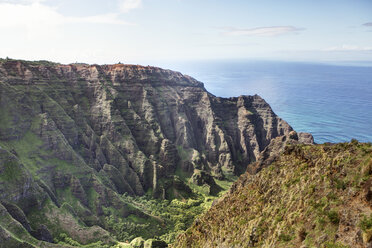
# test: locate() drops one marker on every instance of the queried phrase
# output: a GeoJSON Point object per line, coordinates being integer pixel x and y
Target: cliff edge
{"type": "Point", "coordinates": [75, 138]}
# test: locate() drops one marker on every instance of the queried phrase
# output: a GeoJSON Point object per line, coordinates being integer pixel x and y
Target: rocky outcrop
{"type": "Point", "coordinates": [153, 243]}
{"type": "Point", "coordinates": [17, 185]}
{"type": "Point", "coordinates": [42, 233]}
{"type": "Point", "coordinates": [17, 214]}
{"type": "Point", "coordinates": [305, 138]}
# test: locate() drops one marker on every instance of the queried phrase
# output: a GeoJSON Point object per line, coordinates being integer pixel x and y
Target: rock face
{"type": "Point", "coordinates": [84, 134]}
{"type": "Point", "coordinates": [132, 119]}
{"type": "Point", "coordinates": [309, 196]}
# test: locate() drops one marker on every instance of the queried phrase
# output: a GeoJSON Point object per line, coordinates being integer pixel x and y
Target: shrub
{"type": "Point", "coordinates": [366, 223]}
{"type": "Point", "coordinates": [321, 222]}
{"type": "Point", "coordinates": [65, 239]}
{"type": "Point", "coordinates": [333, 217]}
{"type": "Point", "coordinates": [340, 184]}
{"type": "Point", "coordinates": [285, 237]}
{"type": "Point", "coordinates": [278, 218]}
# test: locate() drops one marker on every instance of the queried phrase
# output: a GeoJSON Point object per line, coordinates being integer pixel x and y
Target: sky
{"type": "Point", "coordinates": [144, 31]}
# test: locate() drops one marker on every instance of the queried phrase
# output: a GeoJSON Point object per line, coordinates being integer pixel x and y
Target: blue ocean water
{"type": "Point", "coordinates": [332, 102]}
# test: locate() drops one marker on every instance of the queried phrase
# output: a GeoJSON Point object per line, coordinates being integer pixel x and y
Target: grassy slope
{"type": "Point", "coordinates": [318, 196]}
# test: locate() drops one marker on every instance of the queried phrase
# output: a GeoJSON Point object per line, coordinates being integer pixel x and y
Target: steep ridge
{"type": "Point", "coordinates": [309, 196]}
{"type": "Point", "coordinates": [75, 138]}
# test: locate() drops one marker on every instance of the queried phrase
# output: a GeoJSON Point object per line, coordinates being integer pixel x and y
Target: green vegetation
{"type": "Point", "coordinates": [366, 222]}
{"type": "Point", "coordinates": [169, 217]}
{"type": "Point", "coordinates": [333, 217]}
{"type": "Point", "coordinates": [285, 237]}
{"type": "Point", "coordinates": [10, 171]}
{"type": "Point", "coordinates": [34, 63]}
{"type": "Point", "coordinates": [330, 244]}
{"type": "Point", "coordinates": [64, 239]}
{"type": "Point", "coordinates": [302, 198]}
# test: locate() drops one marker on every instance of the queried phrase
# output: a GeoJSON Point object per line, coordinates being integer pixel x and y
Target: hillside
{"type": "Point", "coordinates": [100, 153]}
{"type": "Point", "coordinates": [309, 196]}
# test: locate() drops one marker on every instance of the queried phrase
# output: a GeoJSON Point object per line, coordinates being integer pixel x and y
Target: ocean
{"type": "Point", "coordinates": [333, 102]}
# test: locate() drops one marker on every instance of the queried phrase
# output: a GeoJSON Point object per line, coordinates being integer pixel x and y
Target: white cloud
{"type": "Point", "coordinates": [110, 18]}
{"type": "Point", "coordinates": [21, 1]}
{"type": "Point", "coordinates": [348, 48]}
{"type": "Point", "coordinates": [128, 5]}
{"type": "Point", "coordinates": [35, 15]}
{"type": "Point", "coordinates": [368, 24]}
{"type": "Point", "coordinates": [261, 31]}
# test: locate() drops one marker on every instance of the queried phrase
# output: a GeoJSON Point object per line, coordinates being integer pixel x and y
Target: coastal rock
{"type": "Point", "coordinates": [305, 138]}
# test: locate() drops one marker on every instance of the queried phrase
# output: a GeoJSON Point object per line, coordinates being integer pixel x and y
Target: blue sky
{"type": "Point", "coordinates": [144, 31]}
